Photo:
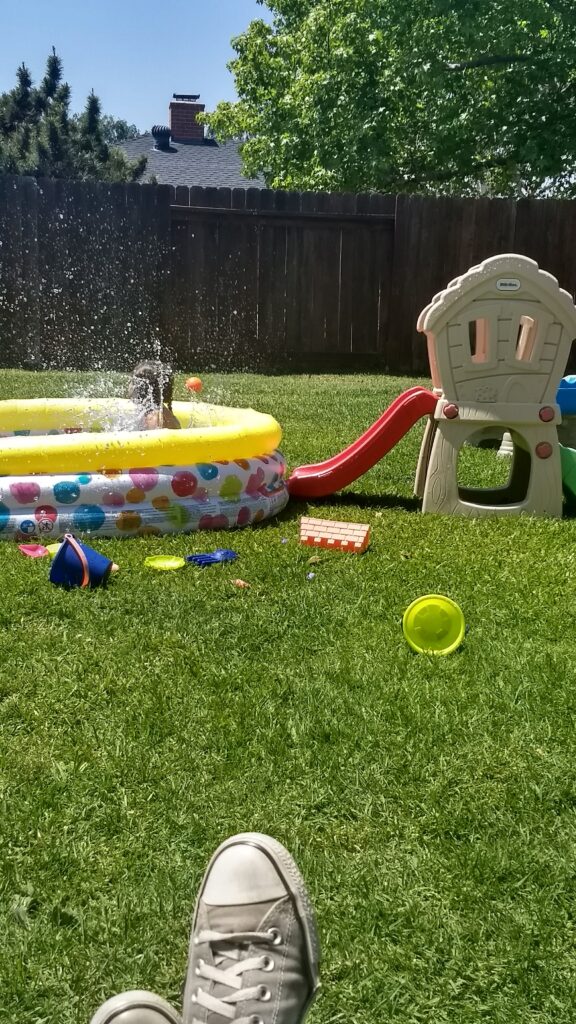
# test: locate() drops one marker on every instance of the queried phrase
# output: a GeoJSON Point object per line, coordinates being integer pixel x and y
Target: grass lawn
{"type": "Point", "coordinates": [430, 803]}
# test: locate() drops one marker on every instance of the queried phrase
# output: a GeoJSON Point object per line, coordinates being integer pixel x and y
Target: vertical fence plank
{"type": "Point", "coordinates": [383, 254]}
{"type": "Point", "coordinates": [162, 271]}
{"type": "Point", "coordinates": [348, 271]}
{"type": "Point", "coordinates": [147, 235]}
{"type": "Point", "coordinates": [307, 336]}
{"type": "Point", "coordinates": [202, 277]}
{"type": "Point", "coordinates": [57, 341]}
{"type": "Point", "coordinates": [364, 248]}
{"type": "Point", "coordinates": [321, 264]}
{"type": "Point", "coordinates": [271, 285]}
{"type": "Point", "coordinates": [52, 341]}
{"type": "Point", "coordinates": [181, 285]}
{"type": "Point", "coordinates": [7, 267]}
{"type": "Point", "coordinates": [233, 252]}
{"type": "Point", "coordinates": [245, 316]}
{"type": "Point", "coordinates": [12, 286]}
{"type": "Point", "coordinates": [182, 195]}
{"type": "Point", "coordinates": [119, 314]}
{"type": "Point", "coordinates": [296, 284]}
{"type": "Point", "coordinates": [29, 341]}
{"type": "Point", "coordinates": [88, 257]}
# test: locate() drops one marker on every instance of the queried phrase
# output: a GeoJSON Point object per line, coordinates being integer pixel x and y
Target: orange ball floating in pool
{"type": "Point", "coordinates": [193, 384]}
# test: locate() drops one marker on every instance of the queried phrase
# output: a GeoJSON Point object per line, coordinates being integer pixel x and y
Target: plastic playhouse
{"type": "Point", "coordinates": [498, 338]}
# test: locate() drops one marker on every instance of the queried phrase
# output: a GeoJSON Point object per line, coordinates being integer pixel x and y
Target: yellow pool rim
{"type": "Point", "coordinates": [232, 434]}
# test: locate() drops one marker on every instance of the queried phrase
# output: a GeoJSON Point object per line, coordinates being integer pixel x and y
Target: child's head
{"type": "Point", "coordinates": [152, 384]}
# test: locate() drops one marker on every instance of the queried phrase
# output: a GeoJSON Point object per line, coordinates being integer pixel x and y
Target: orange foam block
{"type": "Point", "coordinates": [326, 533]}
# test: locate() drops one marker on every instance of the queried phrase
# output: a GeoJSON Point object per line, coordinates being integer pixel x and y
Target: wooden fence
{"type": "Point", "coordinates": [84, 270]}
{"type": "Point", "coordinates": [99, 275]}
{"type": "Point", "coordinates": [281, 277]}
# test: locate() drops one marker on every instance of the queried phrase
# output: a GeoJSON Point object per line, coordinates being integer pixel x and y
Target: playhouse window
{"type": "Point", "coordinates": [526, 340]}
{"type": "Point", "coordinates": [479, 340]}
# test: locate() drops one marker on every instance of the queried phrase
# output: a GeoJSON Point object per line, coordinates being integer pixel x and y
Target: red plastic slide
{"type": "Point", "coordinates": [326, 478]}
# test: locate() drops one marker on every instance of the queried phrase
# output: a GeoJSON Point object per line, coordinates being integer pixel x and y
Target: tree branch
{"type": "Point", "coordinates": [444, 176]}
{"type": "Point", "coordinates": [490, 61]}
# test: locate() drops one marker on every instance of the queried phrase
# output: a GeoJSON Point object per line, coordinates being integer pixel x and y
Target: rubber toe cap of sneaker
{"type": "Point", "coordinates": [242, 873]}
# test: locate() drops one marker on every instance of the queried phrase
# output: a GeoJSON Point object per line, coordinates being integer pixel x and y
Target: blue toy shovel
{"type": "Point", "coordinates": [213, 557]}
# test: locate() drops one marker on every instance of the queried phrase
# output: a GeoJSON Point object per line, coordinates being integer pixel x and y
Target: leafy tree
{"type": "Point", "coordinates": [428, 96]}
{"type": "Point", "coordinates": [38, 136]}
{"type": "Point", "coordinates": [115, 130]}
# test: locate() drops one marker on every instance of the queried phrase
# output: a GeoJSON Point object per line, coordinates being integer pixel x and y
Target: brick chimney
{"type": "Point", "coordinates": [183, 124]}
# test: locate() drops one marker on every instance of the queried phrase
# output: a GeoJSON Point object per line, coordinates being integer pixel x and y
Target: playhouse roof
{"type": "Point", "coordinates": [489, 279]}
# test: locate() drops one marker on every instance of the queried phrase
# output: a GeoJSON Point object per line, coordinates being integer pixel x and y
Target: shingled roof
{"type": "Point", "coordinates": [208, 163]}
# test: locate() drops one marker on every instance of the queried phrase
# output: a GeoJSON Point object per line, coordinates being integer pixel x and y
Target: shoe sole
{"type": "Point", "coordinates": [288, 870]}
{"type": "Point", "coordinates": [136, 1000]}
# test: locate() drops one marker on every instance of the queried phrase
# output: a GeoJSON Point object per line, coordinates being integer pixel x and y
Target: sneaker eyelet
{"type": "Point", "coordinates": [276, 937]}
{"type": "Point", "coordinates": [264, 993]}
{"type": "Point", "coordinates": [268, 964]}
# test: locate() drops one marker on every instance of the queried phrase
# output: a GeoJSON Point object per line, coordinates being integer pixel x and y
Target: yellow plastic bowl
{"type": "Point", "coordinates": [434, 624]}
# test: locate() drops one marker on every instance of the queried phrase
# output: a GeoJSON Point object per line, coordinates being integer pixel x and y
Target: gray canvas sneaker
{"type": "Point", "coordinates": [254, 948]}
{"type": "Point", "coordinates": [136, 1007]}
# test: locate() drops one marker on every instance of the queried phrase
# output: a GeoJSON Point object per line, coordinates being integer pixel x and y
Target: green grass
{"type": "Point", "coordinates": [430, 803]}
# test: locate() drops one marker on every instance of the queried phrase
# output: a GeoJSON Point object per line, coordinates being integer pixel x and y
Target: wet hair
{"type": "Point", "coordinates": [152, 384]}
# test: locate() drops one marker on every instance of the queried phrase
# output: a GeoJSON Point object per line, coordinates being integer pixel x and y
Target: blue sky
{"type": "Point", "coordinates": [134, 55]}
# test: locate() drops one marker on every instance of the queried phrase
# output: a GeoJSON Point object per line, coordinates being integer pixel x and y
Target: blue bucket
{"type": "Point", "coordinates": [77, 565]}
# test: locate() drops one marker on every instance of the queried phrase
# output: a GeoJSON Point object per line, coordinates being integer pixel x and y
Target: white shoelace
{"type": "Point", "coordinates": [226, 946]}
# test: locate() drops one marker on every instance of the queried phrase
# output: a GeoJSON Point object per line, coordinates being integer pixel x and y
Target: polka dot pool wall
{"type": "Point", "coordinates": [155, 500]}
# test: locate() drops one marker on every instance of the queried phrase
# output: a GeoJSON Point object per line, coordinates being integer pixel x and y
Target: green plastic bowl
{"type": "Point", "coordinates": [434, 624]}
{"type": "Point", "coordinates": [164, 563]}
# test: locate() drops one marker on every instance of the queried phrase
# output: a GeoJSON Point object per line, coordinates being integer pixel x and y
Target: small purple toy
{"type": "Point", "coordinates": [213, 557]}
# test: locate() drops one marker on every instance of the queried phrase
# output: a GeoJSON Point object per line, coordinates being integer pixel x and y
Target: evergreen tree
{"type": "Point", "coordinates": [39, 137]}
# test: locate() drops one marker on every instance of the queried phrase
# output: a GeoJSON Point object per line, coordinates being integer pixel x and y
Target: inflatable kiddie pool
{"type": "Point", "coordinates": [65, 469]}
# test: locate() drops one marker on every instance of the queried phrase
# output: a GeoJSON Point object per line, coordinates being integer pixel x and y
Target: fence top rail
{"type": "Point", "coordinates": [187, 212]}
